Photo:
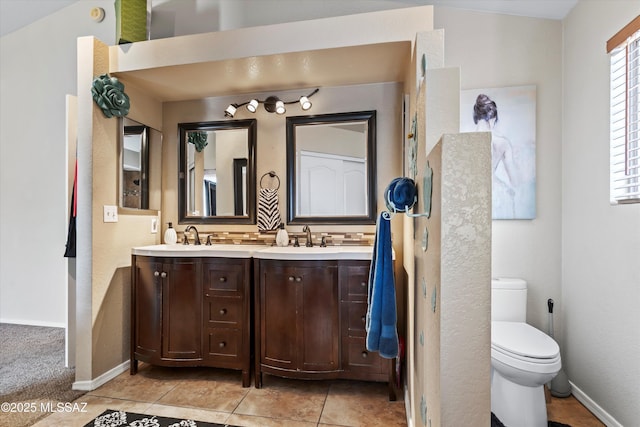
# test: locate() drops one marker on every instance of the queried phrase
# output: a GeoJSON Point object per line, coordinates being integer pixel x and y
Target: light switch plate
{"type": "Point", "coordinates": [110, 213]}
{"type": "Point", "coordinates": [154, 225]}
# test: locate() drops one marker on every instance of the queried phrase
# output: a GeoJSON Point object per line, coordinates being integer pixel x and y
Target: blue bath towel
{"type": "Point", "coordinates": [382, 334]}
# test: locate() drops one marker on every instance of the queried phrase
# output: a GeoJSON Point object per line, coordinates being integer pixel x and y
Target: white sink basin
{"type": "Point", "coordinates": [315, 252]}
{"type": "Point", "coordinates": [217, 250]}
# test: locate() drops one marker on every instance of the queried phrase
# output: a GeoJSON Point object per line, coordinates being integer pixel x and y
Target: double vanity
{"type": "Point", "coordinates": [299, 312]}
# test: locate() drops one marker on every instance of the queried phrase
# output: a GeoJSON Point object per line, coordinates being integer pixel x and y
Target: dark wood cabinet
{"type": "Point", "coordinates": [310, 321]}
{"type": "Point", "coordinates": [299, 317]}
{"type": "Point", "coordinates": [191, 312]}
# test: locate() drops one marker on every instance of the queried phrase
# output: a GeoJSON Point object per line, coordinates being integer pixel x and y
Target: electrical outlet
{"type": "Point", "coordinates": [110, 213]}
{"type": "Point", "coordinates": [154, 225]}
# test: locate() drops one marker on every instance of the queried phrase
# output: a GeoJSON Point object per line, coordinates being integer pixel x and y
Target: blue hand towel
{"type": "Point", "coordinates": [382, 334]}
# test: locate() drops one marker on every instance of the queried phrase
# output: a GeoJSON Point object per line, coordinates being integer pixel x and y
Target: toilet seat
{"type": "Point", "coordinates": [524, 347]}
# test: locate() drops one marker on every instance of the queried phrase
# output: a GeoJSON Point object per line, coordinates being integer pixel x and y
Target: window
{"type": "Point", "coordinates": [624, 51]}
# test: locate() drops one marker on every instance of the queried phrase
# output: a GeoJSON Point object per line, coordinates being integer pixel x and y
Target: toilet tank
{"type": "Point", "coordinates": [508, 299]}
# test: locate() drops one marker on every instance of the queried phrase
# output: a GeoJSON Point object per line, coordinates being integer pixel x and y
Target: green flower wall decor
{"type": "Point", "coordinates": [108, 93]}
{"type": "Point", "coordinates": [199, 139]}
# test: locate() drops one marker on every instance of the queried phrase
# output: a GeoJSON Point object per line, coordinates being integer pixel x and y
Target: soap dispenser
{"type": "Point", "coordinates": [282, 237]}
{"type": "Point", "coordinates": [170, 236]}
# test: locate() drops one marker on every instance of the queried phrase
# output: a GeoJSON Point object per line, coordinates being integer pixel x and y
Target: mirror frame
{"type": "Point", "coordinates": [144, 164]}
{"type": "Point", "coordinates": [292, 123]}
{"type": "Point", "coordinates": [183, 128]}
{"type": "Point", "coordinates": [149, 142]}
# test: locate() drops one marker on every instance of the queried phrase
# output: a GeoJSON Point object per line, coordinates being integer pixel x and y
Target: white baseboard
{"type": "Point", "coordinates": [596, 409]}
{"type": "Point", "coordinates": [102, 379]}
{"type": "Point", "coordinates": [407, 407]}
{"type": "Point", "coordinates": [33, 323]}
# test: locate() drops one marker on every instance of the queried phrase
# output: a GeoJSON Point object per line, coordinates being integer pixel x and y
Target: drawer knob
{"type": "Point", "coordinates": [156, 273]}
{"type": "Point", "coordinates": [363, 284]}
{"type": "Point", "coordinates": [364, 354]}
{"type": "Point", "coordinates": [298, 279]}
{"type": "Point", "coordinates": [206, 295]}
{"type": "Point", "coordinates": [222, 344]}
{"type": "Point", "coordinates": [163, 274]}
{"type": "Point", "coordinates": [291, 278]}
{"type": "Point", "coordinates": [223, 311]}
{"type": "Point", "coordinates": [364, 319]}
{"type": "Point", "coordinates": [223, 279]}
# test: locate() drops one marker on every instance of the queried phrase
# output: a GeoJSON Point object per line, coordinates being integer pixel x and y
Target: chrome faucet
{"type": "Point", "coordinates": [307, 230]}
{"type": "Point", "coordinates": [186, 239]}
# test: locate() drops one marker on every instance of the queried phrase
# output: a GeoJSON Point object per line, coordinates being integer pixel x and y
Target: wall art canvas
{"type": "Point", "coordinates": [509, 113]}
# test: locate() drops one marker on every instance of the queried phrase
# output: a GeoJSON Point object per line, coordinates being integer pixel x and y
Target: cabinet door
{"type": "Point", "coordinates": [318, 318]}
{"type": "Point", "coordinates": [278, 317]}
{"type": "Point", "coordinates": [147, 308]}
{"type": "Point", "coordinates": [182, 310]}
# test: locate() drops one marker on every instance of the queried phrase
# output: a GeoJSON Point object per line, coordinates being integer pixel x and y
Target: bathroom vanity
{"type": "Point", "coordinates": [191, 307]}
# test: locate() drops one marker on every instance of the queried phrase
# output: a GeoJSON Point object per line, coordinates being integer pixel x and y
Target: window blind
{"type": "Point", "coordinates": [625, 115]}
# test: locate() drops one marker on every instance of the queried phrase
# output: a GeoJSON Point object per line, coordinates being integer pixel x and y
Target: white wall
{"type": "Point", "coordinates": [499, 51]}
{"type": "Point", "coordinates": [181, 17]}
{"type": "Point", "coordinates": [600, 242]}
{"type": "Point", "coordinates": [37, 70]}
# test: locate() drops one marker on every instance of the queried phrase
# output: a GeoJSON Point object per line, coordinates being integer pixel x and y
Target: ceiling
{"type": "Point", "coordinates": [15, 14]}
{"type": "Point", "coordinates": [351, 65]}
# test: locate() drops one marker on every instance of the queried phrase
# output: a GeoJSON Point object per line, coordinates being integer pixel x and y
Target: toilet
{"type": "Point", "coordinates": [523, 358]}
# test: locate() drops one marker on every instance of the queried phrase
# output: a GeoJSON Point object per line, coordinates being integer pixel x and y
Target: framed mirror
{"type": "Point", "coordinates": [216, 180]}
{"type": "Point", "coordinates": [140, 175]}
{"type": "Point", "coordinates": [331, 164]}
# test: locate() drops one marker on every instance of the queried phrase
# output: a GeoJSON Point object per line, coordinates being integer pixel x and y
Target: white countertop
{"type": "Point", "coordinates": [257, 251]}
{"type": "Point", "coordinates": [315, 252]}
{"type": "Point", "coordinates": [215, 251]}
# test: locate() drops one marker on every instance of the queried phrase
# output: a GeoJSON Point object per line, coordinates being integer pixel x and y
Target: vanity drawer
{"type": "Point", "coordinates": [355, 282]}
{"type": "Point", "coordinates": [359, 358]}
{"type": "Point", "coordinates": [222, 278]}
{"type": "Point", "coordinates": [356, 314]}
{"type": "Point", "coordinates": [222, 311]}
{"type": "Point", "coordinates": [223, 344]}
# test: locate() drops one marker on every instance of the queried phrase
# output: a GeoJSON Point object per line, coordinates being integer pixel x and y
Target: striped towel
{"type": "Point", "coordinates": [268, 213]}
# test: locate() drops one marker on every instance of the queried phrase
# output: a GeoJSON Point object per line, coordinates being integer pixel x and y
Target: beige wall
{"type": "Point", "coordinates": [104, 249]}
{"type": "Point", "coordinates": [449, 292]}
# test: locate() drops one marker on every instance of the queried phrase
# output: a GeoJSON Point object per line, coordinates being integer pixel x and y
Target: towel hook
{"type": "Point", "coordinates": [388, 215]}
{"type": "Point", "coordinates": [272, 174]}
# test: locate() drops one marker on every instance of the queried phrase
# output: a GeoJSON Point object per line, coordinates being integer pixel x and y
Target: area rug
{"type": "Point", "coordinates": [32, 371]}
{"type": "Point", "coordinates": [495, 422]}
{"type": "Point", "coordinates": [111, 418]}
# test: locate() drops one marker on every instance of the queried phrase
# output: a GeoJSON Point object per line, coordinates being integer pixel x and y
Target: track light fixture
{"type": "Point", "coordinates": [272, 104]}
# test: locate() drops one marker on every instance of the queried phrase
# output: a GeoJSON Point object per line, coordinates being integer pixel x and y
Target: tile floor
{"type": "Point", "coordinates": [216, 395]}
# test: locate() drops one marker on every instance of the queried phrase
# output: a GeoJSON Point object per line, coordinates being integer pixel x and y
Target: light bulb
{"type": "Point", "coordinates": [230, 111]}
{"type": "Point", "coordinates": [280, 107]}
{"type": "Point", "coordinates": [305, 103]}
{"type": "Point", "coordinates": [252, 105]}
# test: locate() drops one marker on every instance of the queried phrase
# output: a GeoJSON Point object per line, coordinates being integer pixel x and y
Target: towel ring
{"type": "Point", "coordinates": [272, 174]}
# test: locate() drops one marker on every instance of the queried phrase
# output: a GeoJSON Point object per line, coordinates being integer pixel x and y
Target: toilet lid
{"type": "Point", "coordinates": [523, 339]}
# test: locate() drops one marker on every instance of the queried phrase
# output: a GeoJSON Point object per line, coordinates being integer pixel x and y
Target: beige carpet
{"type": "Point", "coordinates": [33, 378]}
